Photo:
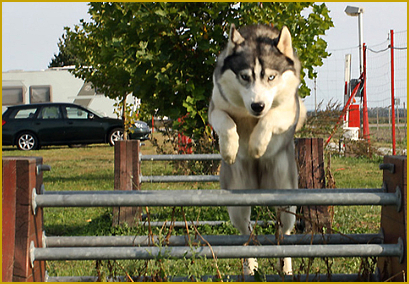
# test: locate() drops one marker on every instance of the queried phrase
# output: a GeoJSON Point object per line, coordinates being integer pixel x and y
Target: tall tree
{"type": "Point", "coordinates": [164, 53]}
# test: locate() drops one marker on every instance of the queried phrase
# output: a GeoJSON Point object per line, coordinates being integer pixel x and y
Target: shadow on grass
{"type": "Point", "coordinates": [98, 226]}
{"type": "Point", "coordinates": [104, 177]}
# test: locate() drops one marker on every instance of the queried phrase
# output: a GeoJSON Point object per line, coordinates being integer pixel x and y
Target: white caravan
{"type": "Point", "coordinates": [54, 85]}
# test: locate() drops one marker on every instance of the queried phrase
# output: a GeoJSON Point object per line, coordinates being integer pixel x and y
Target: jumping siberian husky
{"type": "Point", "coordinates": [255, 110]}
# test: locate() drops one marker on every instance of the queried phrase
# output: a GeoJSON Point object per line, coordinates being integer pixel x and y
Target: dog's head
{"type": "Point", "coordinates": [258, 68]}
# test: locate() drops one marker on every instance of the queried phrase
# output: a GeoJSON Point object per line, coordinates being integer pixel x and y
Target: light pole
{"type": "Point", "coordinates": [353, 12]}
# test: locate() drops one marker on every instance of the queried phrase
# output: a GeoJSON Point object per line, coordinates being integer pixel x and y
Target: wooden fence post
{"type": "Point", "coordinates": [309, 154]}
{"type": "Point", "coordinates": [127, 171]}
{"type": "Point", "coordinates": [9, 218]}
{"type": "Point", "coordinates": [20, 177]}
{"type": "Point", "coordinates": [394, 223]}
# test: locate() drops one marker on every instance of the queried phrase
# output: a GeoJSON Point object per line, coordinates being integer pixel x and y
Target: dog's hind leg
{"type": "Point", "coordinates": [240, 218]}
{"type": "Point", "coordinates": [240, 175]}
{"type": "Point", "coordinates": [283, 167]}
{"type": "Point", "coordinates": [287, 220]}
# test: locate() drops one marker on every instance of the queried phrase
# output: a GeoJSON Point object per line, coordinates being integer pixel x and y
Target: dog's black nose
{"type": "Point", "coordinates": [257, 107]}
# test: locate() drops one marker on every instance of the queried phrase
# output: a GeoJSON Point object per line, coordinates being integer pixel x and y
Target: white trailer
{"type": "Point", "coordinates": [54, 85]}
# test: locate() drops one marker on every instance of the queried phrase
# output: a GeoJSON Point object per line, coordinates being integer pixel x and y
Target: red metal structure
{"type": "Point", "coordinates": [349, 106]}
{"type": "Point", "coordinates": [343, 114]}
{"type": "Point", "coordinates": [354, 119]}
{"type": "Point", "coordinates": [393, 96]}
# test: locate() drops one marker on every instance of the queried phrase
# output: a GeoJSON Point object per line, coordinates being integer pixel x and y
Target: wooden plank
{"type": "Point", "coordinates": [394, 223]}
{"type": "Point", "coordinates": [308, 165]}
{"type": "Point", "coordinates": [126, 171]}
{"type": "Point", "coordinates": [28, 227]}
{"type": "Point", "coordinates": [310, 161]}
{"type": "Point", "coordinates": [9, 218]}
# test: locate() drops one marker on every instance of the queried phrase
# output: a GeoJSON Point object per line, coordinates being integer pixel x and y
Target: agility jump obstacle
{"type": "Point", "coordinates": [128, 176]}
{"type": "Point", "coordinates": [26, 247]}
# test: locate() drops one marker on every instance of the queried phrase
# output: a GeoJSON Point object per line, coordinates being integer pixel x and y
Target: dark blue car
{"type": "Point", "coordinates": [31, 126]}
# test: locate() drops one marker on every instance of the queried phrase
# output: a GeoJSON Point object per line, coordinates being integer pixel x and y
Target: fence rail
{"type": "Point", "coordinates": [232, 278]}
{"type": "Point", "coordinates": [192, 178]}
{"type": "Point", "coordinates": [116, 253]}
{"type": "Point", "coordinates": [189, 157]}
{"type": "Point", "coordinates": [213, 240]}
{"type": "Point", "coordinates": [221, 197]}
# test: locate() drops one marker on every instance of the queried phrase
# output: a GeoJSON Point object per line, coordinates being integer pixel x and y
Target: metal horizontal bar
{"type": "Point", "coordinates": [249, 191]}
{"type": "Point", "coordinates": [213, 198]}
{"type": "Point", "coordinates": [228, 278]}
{"type": "Point", "coordinates": [96, 253]}
{"type": "Point", "coordinates": [182, 224]}
{"type": "Point", "coordinates": [190, 178]}
{"type": "Point", "coordinates": [214, 240]}
{"type": "Point", "coordinates": [190, 157]}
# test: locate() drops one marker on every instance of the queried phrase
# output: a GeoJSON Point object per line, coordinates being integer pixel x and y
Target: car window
{"type": "Point", "coordinates": [25, 113]}
{"type": "Point", "coordinates": [76, 113]}
{"type": "Point", "coordinates": [50, 112]}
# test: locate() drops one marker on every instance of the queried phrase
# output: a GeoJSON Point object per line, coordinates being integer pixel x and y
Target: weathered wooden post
{"type": "Point", "coordinates": [9, 217]}
{"type": "Point", "coordinates": [21, 176]}
{"type": "Point", "coordinates": [393, 221]}
{"type": "Point", "coordinates": [127, 171]}
{"type": "Point", "coordinates": [309, 154]}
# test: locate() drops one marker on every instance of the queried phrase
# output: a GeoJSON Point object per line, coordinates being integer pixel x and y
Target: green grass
{"type": "Point", "coordinates": [92, 168]}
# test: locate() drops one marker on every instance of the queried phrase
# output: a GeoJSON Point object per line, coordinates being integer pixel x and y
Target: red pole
{"type": "Point", "coordinates": [393, 97]}
{"type": "Point", "coordinates": [365, 103]}
{"type": "Point", "coordinates": [344, 111]}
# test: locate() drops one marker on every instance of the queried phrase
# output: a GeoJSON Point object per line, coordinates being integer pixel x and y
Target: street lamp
{"type": "Point", "coordinates": [353, 12]}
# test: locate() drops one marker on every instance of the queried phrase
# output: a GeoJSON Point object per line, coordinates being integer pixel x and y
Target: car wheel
{"type": "Point", "coordinates": [115, 135]}
{"type": "Point", "coordinates": [27, 141]}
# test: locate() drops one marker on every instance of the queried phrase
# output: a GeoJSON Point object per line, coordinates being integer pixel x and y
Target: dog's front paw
{"type": "Point", "coordinates": [229, 146]}
{"type": "Point", "coordinates": [257, 151]}
{"type": "Point", "coordinates": [257, 146]}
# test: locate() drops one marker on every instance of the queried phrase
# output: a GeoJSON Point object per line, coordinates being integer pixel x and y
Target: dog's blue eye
{"type": "Point", "coordinates": [271, 77]}
{"type": "Point", "coordinates": [245, 77]}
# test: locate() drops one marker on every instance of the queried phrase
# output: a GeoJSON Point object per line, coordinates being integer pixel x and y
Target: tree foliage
{"type": "Point", "coordinates": [165, 53]}
{"type": "Point", "coordinates": [63, 58]}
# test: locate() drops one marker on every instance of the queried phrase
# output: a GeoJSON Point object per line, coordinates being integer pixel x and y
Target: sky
{"type": "Point", "coordinates": [31, 30]}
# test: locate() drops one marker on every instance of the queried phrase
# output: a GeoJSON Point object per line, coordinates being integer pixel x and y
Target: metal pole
{"type": "Point", "coordinates": [365, 100]}
{"type": "Point", "coordinates": [223, 191]}
{"type": "Point", "coordinates": [214, 240]}
{"type": "Point", "coordinates": [361, 41]}
{"type": "Point", "coordinates": [192, 178]}
{"type": "Point", "coordinates": [229, 278]}
{"type": "Point", "coordinates": [189, 157]}
{"type": "Point", "coordinates": [347, 90]}
{"type": "Point", "coordinates": [88, 253]}
{"type": "Point", "coordinates": [393, 96]}
{"type": "Point", "coordinates": [214, 198]}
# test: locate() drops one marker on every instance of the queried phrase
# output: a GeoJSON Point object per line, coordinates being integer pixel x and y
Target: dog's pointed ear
{"type": "Point", "coordinates": [235, 39]}
{"type": "Point", "coordinates": [284, 44]}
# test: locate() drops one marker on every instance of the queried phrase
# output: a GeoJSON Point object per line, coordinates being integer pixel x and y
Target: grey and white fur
{"type": "Point", "coordinates": [255, 110]}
